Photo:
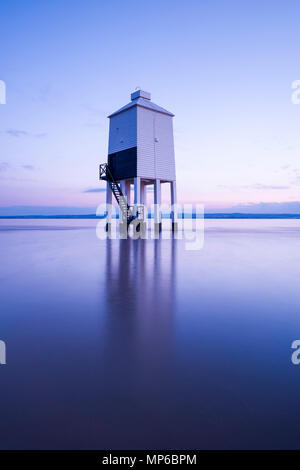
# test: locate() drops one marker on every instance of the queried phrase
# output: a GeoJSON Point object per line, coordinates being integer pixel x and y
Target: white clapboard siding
{"type": "Point", "coordinates": [123, 131]}
{"type": "Point", "coordinates": [164, 147]}
{"type": "Point", "coordinates": [155, 145]}
{"type": "Point", "coordinates": [145, 141]}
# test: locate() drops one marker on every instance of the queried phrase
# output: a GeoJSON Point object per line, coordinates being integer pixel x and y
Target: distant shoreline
{"type": "Point", "coordinates": [206, 216]}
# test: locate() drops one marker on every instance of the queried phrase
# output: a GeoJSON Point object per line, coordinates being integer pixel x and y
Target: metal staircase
{"type": "Point", "coordinates": [127, 212]}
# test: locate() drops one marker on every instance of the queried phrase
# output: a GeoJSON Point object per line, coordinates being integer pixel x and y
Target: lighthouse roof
{"type": "Point", "coordinates": [143, 99]}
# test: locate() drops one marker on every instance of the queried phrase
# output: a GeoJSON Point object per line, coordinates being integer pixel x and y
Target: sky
{"type": "Point", "coordinates": [225, 69]}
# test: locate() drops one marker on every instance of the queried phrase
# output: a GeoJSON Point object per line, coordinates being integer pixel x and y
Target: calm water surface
{"type": "Point", "coordinates": [141, 344]}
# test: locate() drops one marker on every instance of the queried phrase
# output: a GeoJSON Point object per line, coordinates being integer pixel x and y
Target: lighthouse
{"type": "Point", "coordinates": [140, 153]}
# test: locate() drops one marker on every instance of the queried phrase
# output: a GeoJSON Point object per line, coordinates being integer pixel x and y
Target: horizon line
{"type": "Point", "coordinates": [210, 215]}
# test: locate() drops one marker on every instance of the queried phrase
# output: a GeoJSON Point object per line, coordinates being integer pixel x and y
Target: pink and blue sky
{"type": "Point", "coordinates": [224, 68]}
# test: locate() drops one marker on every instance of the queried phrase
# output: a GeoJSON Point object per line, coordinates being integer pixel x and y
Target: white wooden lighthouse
{"type": "Point", "coordinates": [141, 152]}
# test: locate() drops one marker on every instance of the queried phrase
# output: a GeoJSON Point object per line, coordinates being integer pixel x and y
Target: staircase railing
{"type": "Point", "coordinates": [128, 212]}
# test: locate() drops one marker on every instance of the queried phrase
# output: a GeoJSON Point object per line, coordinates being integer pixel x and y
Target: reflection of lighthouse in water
{"type": "Point", "coordinates": [140, 304]}
{"type": "Point", "coordinates": [139, 379]}
{"type": "Point", "coordinates": [140, 293]}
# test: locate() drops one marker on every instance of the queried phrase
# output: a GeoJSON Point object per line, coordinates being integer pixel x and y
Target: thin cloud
{"type": "Point", "coordinates": [28, 167]}
{"type": "Point", "coordinates": [4, 166]}
{"type": "Point", "coordinates": [16, 132]}
{"type": "Point", "coordinates": [258, 186]}
{"type": "Point", "coordinates": [266, 186]}
{"type": "Point", "coordinates": [46, 210]}
{"type": "Point", "coordinates": [40, 135]}
{"type": "Point", "coordinates": [292, 207]}
{"type": "Point", "coordinates": [94, 190]}
{"type": "Point", "coordinates": [21, 133]}
{"type": "Point", "coordinates": [296, 181]}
